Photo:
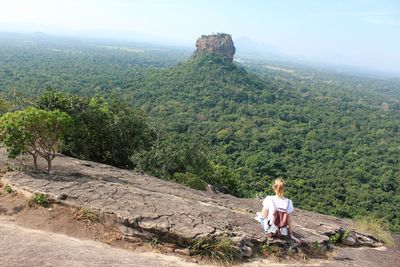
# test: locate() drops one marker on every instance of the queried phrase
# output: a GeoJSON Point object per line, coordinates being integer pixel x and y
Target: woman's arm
{"type": "Point", "coordinates": [264, 213]}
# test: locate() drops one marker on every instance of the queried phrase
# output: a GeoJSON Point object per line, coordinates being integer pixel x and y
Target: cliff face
{"type": "Point", "coordinates": [216, 43]}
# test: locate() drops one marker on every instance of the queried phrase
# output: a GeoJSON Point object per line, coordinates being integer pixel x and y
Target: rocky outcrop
{"type": "Point", "coordinates": [145, 207]}
{"type": "Point", "coordinates": [216, 43]}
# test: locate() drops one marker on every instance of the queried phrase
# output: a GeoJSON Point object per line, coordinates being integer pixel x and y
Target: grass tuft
{"type": "Point", "coordinates": [219, 250]}
{"type": "Point", "coordinates": [377, 227]}
{"type": "Point", "coordinates": [155, 242]}
{"type": "Point", "coordinates": [87, 214]}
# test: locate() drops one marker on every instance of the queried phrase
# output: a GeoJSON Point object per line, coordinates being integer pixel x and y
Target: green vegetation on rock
{"type": "Point", "coordinates": [8, 189]}
{"type": "Point", "coordinates": [40, 199]}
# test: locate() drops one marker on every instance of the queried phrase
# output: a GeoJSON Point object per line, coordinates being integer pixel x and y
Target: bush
{"type": "Point", "coordinates": [8, 189]}
{"type": "Point", "coordinates": [189, 179]}
{"type": "Point", "coordinates": [40, 199]}
{"type": "Point", "coordinates": [339, 236]}
{"type": "Point", "coordinates": [223, 179]}
{"type": "Point", "coordinates": [173, 153]}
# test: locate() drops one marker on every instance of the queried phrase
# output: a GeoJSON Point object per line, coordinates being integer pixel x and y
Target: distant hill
{"type": "Point", "coordinates": [247, 48]}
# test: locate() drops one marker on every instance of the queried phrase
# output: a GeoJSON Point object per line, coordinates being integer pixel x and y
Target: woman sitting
{"type": "Point", "coordinates": [277, 206]}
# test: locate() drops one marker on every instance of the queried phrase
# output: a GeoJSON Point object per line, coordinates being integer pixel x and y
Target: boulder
{"type": "Point", "coordinates": [216, 43]}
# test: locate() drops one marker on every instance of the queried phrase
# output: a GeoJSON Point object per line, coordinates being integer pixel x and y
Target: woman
{"type": "Point", "coordinates": [277, 202]}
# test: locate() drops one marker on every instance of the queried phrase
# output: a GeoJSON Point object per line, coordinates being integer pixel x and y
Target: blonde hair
{"type": "Point", "coordinates": [279, 186]}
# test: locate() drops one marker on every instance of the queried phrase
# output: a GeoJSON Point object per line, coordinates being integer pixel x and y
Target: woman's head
{"type": "Point", "coordinates": [279, 186]}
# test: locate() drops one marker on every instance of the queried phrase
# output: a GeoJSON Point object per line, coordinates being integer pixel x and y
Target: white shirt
{"type": "Point", "coordinates": [270, 203]}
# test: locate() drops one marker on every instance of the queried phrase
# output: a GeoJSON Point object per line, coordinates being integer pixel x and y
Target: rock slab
{"type": "Point", "coordinates": [216, 43]}
{"type": "Point", "coordinates": [147, 207]}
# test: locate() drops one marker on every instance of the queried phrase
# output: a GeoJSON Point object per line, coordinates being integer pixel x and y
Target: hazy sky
{"type": "Point", "coordinates": [355, 32]}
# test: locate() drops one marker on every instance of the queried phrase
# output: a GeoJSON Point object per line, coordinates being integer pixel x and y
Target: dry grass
{"type": "Point", "coordinates": [219, 250]}
{"type": "Point", "coordinates": [88, 215]}
{"type": "Point", "coordinates": [377, 227]}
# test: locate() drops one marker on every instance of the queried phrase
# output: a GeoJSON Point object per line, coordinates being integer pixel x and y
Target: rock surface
{"type": "Point", "coordinates": [147, 207]}
{"type": "Point", "coordinates": [216, 43]}
{"type": "Point", "coordinates": [27, 247]}
{"type": "Point", "coordinates": [34, 247]}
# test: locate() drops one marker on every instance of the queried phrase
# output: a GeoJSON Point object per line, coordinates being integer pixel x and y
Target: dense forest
{"type": "Point", "coordinates": [335, 138]}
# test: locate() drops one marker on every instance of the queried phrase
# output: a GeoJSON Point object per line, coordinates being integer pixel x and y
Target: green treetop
{"type": "Point", "coordinates": [34, 131]}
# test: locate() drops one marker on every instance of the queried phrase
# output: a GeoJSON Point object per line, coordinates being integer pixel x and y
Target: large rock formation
{"type": "Point", "coordinates": [216, 43]}
{"type": "Point", "coordinates": [142, 206]}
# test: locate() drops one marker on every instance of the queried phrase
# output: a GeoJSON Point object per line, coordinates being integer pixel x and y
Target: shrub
{"type": "Point", "coordinates": [40, 199]}
{"type": "Point", "coordinates": [223, 179]}
{"type": "Point", "coordinates": [266, 247]}
{"type": "Point", "coordinates": [339, 237]}
{"type": "Point", "coordinates": [8, 189]}
{"type": "Point", "coordinates": [190, 180]}
{"type": "Point", "coordinates": [173, 153]}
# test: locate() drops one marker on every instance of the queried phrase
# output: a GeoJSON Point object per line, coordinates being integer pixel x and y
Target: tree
{"type": "Point", "coordinates": [34, 131]}
{"type": "Point", "coordinates": [105, 130]}
{"type": "Point", "coordinates": [173, 153]}
{"type": "Point", "coordinates": [224, 179]}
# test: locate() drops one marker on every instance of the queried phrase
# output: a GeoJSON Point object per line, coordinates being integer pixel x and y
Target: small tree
{"type": "Point", "coordinates": [34, 131]}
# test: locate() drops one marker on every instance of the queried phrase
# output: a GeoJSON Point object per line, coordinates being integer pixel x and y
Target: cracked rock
{"type": "Point", "coordinates": [148, 207]}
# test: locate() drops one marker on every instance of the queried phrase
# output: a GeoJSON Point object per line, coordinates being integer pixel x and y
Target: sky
{"type": "Point", "coordinates": [351, 32]}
